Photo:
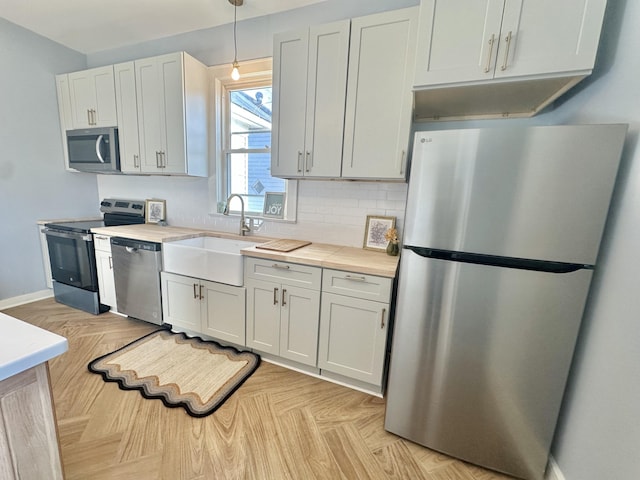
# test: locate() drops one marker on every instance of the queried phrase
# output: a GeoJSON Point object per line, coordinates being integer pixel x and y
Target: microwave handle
{"type": "Point", "coordinates": [98, 142]}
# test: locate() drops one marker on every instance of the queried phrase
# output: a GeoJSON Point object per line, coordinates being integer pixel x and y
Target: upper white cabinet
{"type": "Point", "coordinates": [379, 97]}
{"type": "Point", "coordinates": [125, 80]}
{"type": "Point", "coordinates": [171, 96]}
{"type": "Point", "coordinates": [309, 80]}
{"type": "Point", "coordinates": [472, 40]}
{"type": "Point", "coordinates": [315, 88]}
{"type": "Point", "coordinates": [92, 95]}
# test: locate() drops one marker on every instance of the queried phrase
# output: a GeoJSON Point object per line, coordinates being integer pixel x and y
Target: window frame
{"type": "Point", "coordinates": [255, 74]}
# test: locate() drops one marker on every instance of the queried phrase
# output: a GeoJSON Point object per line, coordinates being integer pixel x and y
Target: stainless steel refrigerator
{"type": "Point", "coordinates": [502, 232]}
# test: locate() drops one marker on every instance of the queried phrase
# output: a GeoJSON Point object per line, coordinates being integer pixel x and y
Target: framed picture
{"type": "Point", "coordinates": [155, 210]}
{"type": "Point", "coordinates": [273, 205]}
{"type": "Point", "coordinates": [374, 232]}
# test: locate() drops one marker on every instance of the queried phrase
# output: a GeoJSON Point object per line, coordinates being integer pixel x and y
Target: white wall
{"type": "Point", "coordinates": [33, 182]}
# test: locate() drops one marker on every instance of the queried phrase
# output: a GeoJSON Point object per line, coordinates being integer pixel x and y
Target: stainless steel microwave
{"type": "Point", "coordinates": [94, 150]}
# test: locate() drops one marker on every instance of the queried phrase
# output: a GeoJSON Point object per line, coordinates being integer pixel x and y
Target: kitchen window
{"type": "Point", "coordinates": [244, 160]}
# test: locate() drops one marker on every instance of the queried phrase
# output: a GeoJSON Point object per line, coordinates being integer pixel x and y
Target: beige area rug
{"type": "Point", "coordinates": [183, 372]}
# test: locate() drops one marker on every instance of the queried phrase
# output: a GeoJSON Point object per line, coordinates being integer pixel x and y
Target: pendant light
{"type": "Point", "coordinates": [235, 73]}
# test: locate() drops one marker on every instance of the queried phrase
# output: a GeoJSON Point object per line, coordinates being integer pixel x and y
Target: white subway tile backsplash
{"type": "Point", "coordinates": [328, 211]}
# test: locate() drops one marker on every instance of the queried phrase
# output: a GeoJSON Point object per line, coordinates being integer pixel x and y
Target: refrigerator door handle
{"type": "Point", "coordinates": [495, 261]}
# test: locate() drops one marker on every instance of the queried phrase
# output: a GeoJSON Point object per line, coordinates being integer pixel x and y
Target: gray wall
{"type": "Point", "coordinates": [33, 182]}
{"type": "Point", "coordinates": [599, 433]}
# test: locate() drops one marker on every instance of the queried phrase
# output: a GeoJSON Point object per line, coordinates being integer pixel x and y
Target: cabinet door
{"type": "Point", "coordinates": [223, 311]}
{"type": "Point", "coordinates": [300, 309]}
{"type": "Point", "coordinates": [93, 96]}
{"type": "Point", "coordinates": [290, 53]}
{"type": "Point", "coordinates": [263, 316]}
{"type": "Point", "coordinates": [181, 301]}
{"type": "Point", "coordinates": [455, 47]}
{"type": "Point", "coordinates": [170, 68]}
{"type": "Point", "coordinates": [326, 95]}
{"type": "Point", "coordinates": [149, 94]}
{"type": "Point", "coordinates": [125, 80]}
{"type": "Point", "coordinates": [547, 36]}
{"type": "Point", "coordinates": [28, 432]}
{"type": "Point", "coordinates": [353, 335]}
{"type": "Point", "coordinates": [379, 96]}
{"type": "Point", "coordinates": [106, 283]}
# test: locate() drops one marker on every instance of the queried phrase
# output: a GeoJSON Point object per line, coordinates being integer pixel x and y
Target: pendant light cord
{"type": "Point", "coordinates": [235, 42]}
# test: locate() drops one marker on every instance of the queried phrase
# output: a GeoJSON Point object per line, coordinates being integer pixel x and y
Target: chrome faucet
{"type": "Point", "coordinates": [244, 228]}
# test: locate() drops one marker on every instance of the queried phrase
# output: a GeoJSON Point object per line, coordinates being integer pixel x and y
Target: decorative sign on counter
{"type": "Point", "coordinates": [374, 232]}
{"type": "Point", "coordinates": [155, 210]}
{"type": "Point", "coordinates": [274, 204]}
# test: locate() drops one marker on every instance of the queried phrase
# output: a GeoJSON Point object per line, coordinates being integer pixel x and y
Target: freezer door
{"type": "Point", "coordinates": [479, 359]}
{"type": "Point", "coordinates": [537, 192]}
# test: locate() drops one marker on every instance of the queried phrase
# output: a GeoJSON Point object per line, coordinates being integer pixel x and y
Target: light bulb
{"type": "Point", "coordinates": [235, 73]}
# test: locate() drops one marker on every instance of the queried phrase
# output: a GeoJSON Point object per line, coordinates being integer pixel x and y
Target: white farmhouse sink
{"type": "Point", "coordinates": [209, 258]}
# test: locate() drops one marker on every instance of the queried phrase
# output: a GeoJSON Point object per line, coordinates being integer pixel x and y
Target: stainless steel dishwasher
{"type": "Point", "coordinates": [136, 270]}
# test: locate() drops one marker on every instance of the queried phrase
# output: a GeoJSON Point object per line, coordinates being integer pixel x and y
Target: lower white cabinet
{"type": "Point", "coordinates": [200, 306]}
{"type": "Point", "coordinates": [283, 309]}
{"type": "Point", "coordinates": [354, 324]}
{"type": "Point", "coordinates": [104, 266]}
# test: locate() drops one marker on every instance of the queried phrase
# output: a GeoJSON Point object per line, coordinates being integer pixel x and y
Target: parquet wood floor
{"type": "Point", "coordinates": [279, 425]}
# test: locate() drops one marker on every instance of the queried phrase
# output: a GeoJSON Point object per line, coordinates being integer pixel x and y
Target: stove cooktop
{"type": "Point", "coordinates": [80, 227]}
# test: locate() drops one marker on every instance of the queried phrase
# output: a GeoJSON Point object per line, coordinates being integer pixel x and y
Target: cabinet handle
{"type": "Point", "coordinates": [306, 162]}
{"type": "Point", "coordinates": [275, 296]}
{"type": "Point", "coordinates": [355, 278]}
{"type": "Point", "coordinates": [506, 54]}
{"type": "Point", "coordinates": [89, 117]}
{"type": "Point", "coordinates": [384, 312]}
{"type": "Point", "coordinates": [93, 117]}
{"type": "Point", "coordinates": [403, 156]}
{"type": "Point", "coordinates": [284, 291]}
{"type": "Point", "coordinates": [492, 41]}
{"type": "Point", "coordinates": [110, 263]}
{"type": "Point", "coordinates": [158, 160]}
{"type": "Point", "coordinates": [201, 296]}
{"type": "Point", "coordinates": [135, 161]}
{"type": "Point", "coordinates": [281, 267]}
{"type": "Point", "coordinates": [100, 237]}
{"type": "Point", "coordinates": [163, 160]}
{"type": "Point", "coordinates": [195, 290]}
{"type": "Point", "coordinates": [299, 161]}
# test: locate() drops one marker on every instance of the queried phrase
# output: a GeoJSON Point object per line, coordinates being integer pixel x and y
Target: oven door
{"type": "Point", "coordinates": [72, 257]}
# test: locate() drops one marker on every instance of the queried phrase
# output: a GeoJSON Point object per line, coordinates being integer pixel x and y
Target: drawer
{"type": "Point", "coordinates": [283, 272]}
{"type": "Point", "coordinates": [102, 242]}
{"type": "Point", "coordinates": [357, 285]}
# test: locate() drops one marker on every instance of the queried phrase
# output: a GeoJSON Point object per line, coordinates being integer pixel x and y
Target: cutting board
{"type": "Point", "coordinates": [284, 245]}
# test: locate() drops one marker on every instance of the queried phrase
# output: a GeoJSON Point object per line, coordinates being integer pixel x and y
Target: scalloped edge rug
{"type": "Point", "coordinates": [198, 375]}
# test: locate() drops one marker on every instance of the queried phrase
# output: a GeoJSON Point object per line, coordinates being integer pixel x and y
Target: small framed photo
{"type": "Point", "coordinates": [155, 211]}
{"type": "Point", "coordinates": [374, 232]}
{"type": "Point", "coordinates": [273, 205]}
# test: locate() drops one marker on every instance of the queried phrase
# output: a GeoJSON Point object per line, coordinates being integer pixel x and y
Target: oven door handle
{"type": "Point", "coordinates": [74, 236]}
{"type": "Point", "coordinates": [98, 142]}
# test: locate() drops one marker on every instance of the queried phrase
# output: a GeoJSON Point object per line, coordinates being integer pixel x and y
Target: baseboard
{"type": "Point", "coordinates": [28, 298]}
{"type": "Point", "coordinates": [553, 470]}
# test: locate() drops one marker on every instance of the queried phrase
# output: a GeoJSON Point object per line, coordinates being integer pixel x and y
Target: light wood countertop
{"type": "Point", "coordinates": [324, 255]}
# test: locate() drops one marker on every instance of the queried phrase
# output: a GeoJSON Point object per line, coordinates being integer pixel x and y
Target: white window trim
{"type": "Point", "coordinates": [251, 72]}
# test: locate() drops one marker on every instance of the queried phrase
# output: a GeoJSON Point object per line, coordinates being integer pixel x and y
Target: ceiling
{"type": "Point", "coordinates": [90, 26]}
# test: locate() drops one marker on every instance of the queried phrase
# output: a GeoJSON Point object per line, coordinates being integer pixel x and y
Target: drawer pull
{"type": "Point", "coordinates": [284, 291]}
{"type": "Point", "coordinates": [355, 278]}
{"type": "Point", "coordinates": [384, 312]}
{"type": "Point", "coordinates": [100, 237]}
{"type": "Point", "coordinates": [281, 267]}
{"type": "Point", "coordinates": [275, 296]}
